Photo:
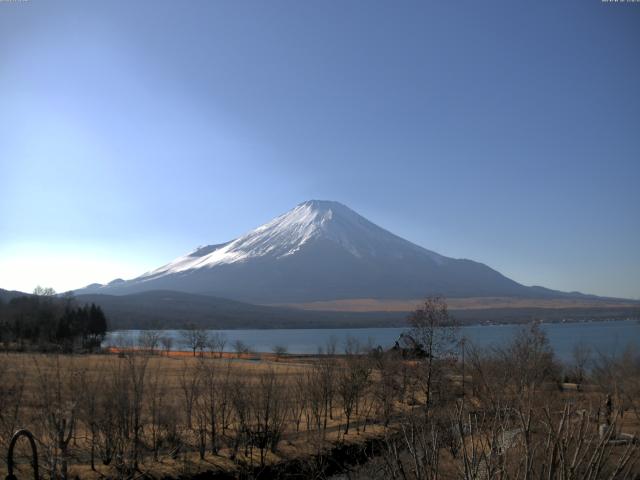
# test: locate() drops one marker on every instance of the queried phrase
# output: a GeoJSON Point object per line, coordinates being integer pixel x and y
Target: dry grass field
{"type": "Point", "coordinates": [92, 391]}
{"type": "Point", "coordinates": [503, 414]}
{"type": "Point", "coordinates": [470, 303]}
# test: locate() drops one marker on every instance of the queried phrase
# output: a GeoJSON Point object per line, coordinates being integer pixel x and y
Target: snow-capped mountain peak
{"type": "Point", "coordinates": [289, 233]}
{"type": "Point", "coordinates": [319, 250]}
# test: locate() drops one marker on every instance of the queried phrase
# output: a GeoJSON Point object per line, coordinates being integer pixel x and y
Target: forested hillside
{"type": "Point", "coordinates": [44, 321]}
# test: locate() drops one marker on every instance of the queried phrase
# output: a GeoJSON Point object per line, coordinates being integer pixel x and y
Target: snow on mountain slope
{"type": "Point", "coordinates": [287, 234]}
{"type": "Point", "coordinates": [320, 250]}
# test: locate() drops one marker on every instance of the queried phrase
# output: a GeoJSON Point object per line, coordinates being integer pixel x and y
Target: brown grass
{"type": "Point", "coordinates": [249, 366]}
{"type": "Point", "coordinates": [293, 445]}
{"type": "Point", "coordinates": [470, 303]}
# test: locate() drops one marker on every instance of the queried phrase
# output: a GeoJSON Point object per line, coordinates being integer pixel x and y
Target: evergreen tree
{"type": "Point", "coordinates": [43, 319]}
{"type": "Point", "coordinates": [97, 326]}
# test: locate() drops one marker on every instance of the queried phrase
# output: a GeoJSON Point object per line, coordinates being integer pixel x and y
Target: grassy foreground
{"type": "Point", "coordinates": [501, 414]}
{"type": "Point", "coordinates": [177, 414]}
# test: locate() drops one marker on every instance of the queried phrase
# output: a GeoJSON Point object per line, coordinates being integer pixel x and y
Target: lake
{"type": "Point", "coordinates": [603, 336]}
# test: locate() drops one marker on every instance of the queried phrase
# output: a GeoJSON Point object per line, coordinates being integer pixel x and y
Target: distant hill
{"type": "Point", "coordinates": [170, 309]}
{"type": "Point", "coordinates": [7, 295]}
{"type": "Point", "coordinates": [323, 251]}
{"type": "Point", "coordinates": [160, 309]}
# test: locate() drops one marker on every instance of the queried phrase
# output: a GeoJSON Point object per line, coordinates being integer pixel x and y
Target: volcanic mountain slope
{"type": "Point", "coordinates": [318, 251]}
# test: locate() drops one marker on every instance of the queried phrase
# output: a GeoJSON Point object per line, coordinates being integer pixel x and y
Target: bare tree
{"type": "Point", "coordinates": [317, 394]}
{"type": "Point", "coordinates": [330, 347]}
{"type": "Point", "coordinates": [201, 410]}
{"type": "Point", "coordinates": [44, 291]}
{"type": "Point", "coordinates": [149, 341]}
{"type": "Point", "coordinates": [11, 400]}
{"type": "Point", "coordinates": [352, 380]}
{"type": "Point", "coordinates": [531, 358]}
{"type": "Point", "coordinates": [189, 383]}
{"type": "Point", "coordinates": [433, 332]}
{"type": "Point", "coordinates": [212, 397]}
{"type": "Point", "coordinates": [90, 390]}
{"type": "Point", "coordinates": [388, 387]}
{"type": "Point", "coordinates": [224, 397]}
{"type": "Point", "coordinates": [268, 413]}
{"type": "Point", "coordinates": [279, 351]}
{"type": "Point", "coordinates": [240, 348]}
{"type": "Point", "coordinates": [325, 375]}
{"type": "Point", "coordinates": [241, 401]}
{"type": "Point", "coordinates": [414, 452]}
{"type": "Point", "coordinates": [137, 366]}
{"type": "Point", "coordinates": [297, 400]}
{"type": "Point", "coordinates": [195, 338]}
{"type": "Point", "coordinates": [347, 393]}
{"type": "Point", "coordinates": [167, 342]}
{"type": "Point", "coordinates": [217, 342]}
{"type": "Point", "coordinates": [618, 375]}
{"type": "Point", "coordinates": [581, 356]}
{"type": "Point", "coordinates": [58, 393]}
{"type": "Point", "coordinates": [111, 411]}
{"type": "Point", "coordinates": [156, 400]}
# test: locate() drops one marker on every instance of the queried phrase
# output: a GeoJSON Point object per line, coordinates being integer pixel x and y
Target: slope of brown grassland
{"type": "Point", "coordinates": [45, 377]}
{"type": "Point", "coordinates": [470, 303]}
{"type": "Point", "coordinates": [155, 413]}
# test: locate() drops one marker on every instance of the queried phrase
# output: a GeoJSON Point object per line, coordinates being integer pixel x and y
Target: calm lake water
{"type": "Point", "coordinates": [604, 337]}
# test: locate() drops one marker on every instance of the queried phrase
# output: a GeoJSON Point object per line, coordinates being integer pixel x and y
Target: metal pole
{"type": "Point", "coordinates": [34, 453]}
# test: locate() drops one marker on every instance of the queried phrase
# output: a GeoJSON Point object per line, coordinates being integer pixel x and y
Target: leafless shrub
{"type": "Point", "coordinates": [618, 375]}
{"type": "Point", "coordinates": [434, 335]}
{"type": "Point", "coordinates": [513, 374]}
{"type": "Point", "coordinates": [167, 342]}
{"type": "Point", "coordinates": [268, 413]}
{"type": "Point", "coordinates": [90, 384]}
{"type": "Point", "coordinates": [387, 390]}
{"type": "Point", "coordinates": [217, 342]}
{"type": "Point", "coordinates": [240, 399]}
{"type": "Point", "coordinates": [240, 348]}
{"type": "Point", "coordinates": [189, 382]}
{"type": "Point", "coordinates": [149, 340]}
{"type": "Point", "coordinates": [317, 403]}
{"type": "Point", "coordinates": [196, 339]}
{"type": "Point", "coordinates": [297, 400]}
{"type": "Point", "coordinates": [209, 403]}
{"type": "Point", "coordinates": [11, 400]}
{"type": "Point", "coordinates": [158, 415]}
{"type": "Point", "coordinates": [58, 391]}
{"type": "Point", "coordinates": [279, 350]}
{"type": "Point", "coordinates": [353, 380]}
{"type": "Point", "coordinates": [581, 358]}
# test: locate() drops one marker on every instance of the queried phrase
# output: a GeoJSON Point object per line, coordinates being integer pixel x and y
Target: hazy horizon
{"type": "Point", "coordinates": [131, 133]}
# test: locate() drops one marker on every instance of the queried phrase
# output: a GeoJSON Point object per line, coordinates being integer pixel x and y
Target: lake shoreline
{"type": "Point", "coordinates": [603, 336]}
{"type": "Point", "coordinates": [400, 325]}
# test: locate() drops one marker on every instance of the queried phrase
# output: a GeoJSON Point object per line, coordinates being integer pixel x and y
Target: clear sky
{"type": "Point", "coordinates": [505, 132]}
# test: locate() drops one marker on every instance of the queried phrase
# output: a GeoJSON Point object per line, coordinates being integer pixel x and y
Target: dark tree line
{"type": "Point", "coordinates": [45, 321]}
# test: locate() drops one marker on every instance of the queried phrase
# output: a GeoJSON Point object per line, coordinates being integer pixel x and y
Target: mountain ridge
{"type": "Point", "coordinates": [159, 309]}
{"type": "Point", "coordinates": [318, 251]}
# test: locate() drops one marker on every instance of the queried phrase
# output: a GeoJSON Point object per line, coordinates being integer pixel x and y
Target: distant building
{"type": "Point", "coordinates": [407, 346]}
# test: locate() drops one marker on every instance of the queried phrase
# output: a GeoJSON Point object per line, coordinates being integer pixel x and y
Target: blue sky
{"type": "Point", "coordinates": [505, 132]}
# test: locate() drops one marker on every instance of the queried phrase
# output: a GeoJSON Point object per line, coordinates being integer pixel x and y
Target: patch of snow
{"type": "Point", "coordinates": [290, 232]}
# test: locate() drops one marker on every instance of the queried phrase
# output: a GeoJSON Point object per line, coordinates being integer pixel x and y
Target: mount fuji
{"type": "Point", "coordinates": [322, 251]}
